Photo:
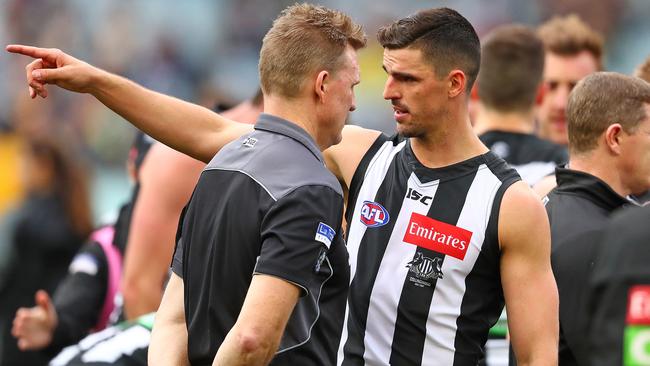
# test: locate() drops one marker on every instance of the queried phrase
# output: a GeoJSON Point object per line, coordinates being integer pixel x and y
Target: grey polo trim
{"type": "Point", "coordinates": [270, 123]}
{"type": "Point", "coordinates": [247, 174]}
{"type": "Point", "coordinates": [317, 311]}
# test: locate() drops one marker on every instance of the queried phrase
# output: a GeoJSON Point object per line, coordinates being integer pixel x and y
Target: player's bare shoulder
{"type": "Point", "coordinates": [522, 218]}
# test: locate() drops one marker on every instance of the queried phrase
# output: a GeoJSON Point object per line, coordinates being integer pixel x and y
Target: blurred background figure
{"type": "Point", "coordinates": [573, 51]}
{"type": "Point", "coordinates": [643, 70]}
{"type": "Point", "coordinates": [509, 82]}
{"type": "Point", "coordinates": [49, 226]}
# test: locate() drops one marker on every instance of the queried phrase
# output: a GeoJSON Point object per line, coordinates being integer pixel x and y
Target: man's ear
{"type": "Point", "coordinates": [457, 83]}
{"type": "Point", "coordinates": [321, 85]}
{"type": "Point", "coordinates": [613, 135]}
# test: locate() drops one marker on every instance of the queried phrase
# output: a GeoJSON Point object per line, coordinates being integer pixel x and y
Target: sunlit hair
{"type": "Point", "coordinates": [305, 39]}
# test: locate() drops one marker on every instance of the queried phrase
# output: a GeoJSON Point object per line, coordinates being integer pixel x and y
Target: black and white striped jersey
{"type": "Point", "coordinates": [424, 258]}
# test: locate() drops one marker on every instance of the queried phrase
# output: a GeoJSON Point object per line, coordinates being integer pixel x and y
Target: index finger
{"type": "Point", "coordinates": [35, 52]}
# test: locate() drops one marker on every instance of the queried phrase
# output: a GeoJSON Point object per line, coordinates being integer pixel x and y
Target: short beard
{"type": "Point", "coordinates": [411, 132]}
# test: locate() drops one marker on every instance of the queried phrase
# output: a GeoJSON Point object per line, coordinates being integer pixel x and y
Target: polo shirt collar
{"type": "Point", "coordinates": [586, 185]}
{"type": "Point", "coordinates": [273, 124]}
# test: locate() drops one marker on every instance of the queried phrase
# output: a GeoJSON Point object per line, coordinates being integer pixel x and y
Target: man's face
{"type": "Point", "coordinates": [561, 74]}
{"type": "Point", "coordinates": [635, 154]}
{"type": "Point", "coordinates": [342, 91]}
{"type": "Point", "coordinates": [418, 97]}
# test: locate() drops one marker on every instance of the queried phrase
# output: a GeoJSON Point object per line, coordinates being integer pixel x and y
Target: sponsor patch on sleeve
{"type": "Point", "coordinates": [325, 234]}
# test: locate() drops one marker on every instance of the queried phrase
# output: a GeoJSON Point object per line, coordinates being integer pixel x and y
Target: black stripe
{"type": "Point", "coordinates": [414, 303]}
{"type": "Point", "coordinates": [359, 174]}
{"type": "Point", "coordinates": [371, 251]}
{"type": "Point", "coordinates": [483, 299]}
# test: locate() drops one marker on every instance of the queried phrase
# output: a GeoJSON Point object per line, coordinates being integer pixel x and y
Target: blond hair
{"type": "Point", "coordinates": [304, 39]}
{"type": "Point", "coordinates": [569, 35]}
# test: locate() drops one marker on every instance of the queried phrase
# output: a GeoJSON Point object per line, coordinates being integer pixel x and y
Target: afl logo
{"type": "Point", "coordinates": [373, 214]}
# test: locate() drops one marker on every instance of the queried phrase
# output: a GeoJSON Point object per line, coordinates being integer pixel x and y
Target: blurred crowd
{"type": "Point", "coordinates": [62, 158]}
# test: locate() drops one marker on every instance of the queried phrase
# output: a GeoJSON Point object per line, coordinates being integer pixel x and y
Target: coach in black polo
{"type": "Point", "coordinates": [265, 205]}
{"type": "Point", "coordinates": [261, 270]}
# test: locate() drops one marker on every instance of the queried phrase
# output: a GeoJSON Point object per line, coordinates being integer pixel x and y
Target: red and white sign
{"type": "Point", "coordinates": [638, 305]}
{"type": "Point", "coordinates": [438, 236]}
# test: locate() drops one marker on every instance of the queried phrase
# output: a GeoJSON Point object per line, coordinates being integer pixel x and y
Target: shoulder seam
{"type": "Point", "coordinates": [247, 174]}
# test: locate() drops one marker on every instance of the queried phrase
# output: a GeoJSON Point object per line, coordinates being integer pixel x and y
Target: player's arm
{"type": "Point", "coordinates": [167, 179]}
{"type": "Point", "coordinates": [255, 337]}
{"type": "Point", "coordinates": [545, 186]}
{"type": "Point", "coordinates": [528, 283]}
{"type": "Point", "coordinates": [344, 158]}
{"type": "Point", "coordinates": [169, 335]}
{"type": "Point", "coordinates": [184, 126]}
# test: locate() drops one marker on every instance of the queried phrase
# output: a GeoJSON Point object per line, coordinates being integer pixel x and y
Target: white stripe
{"type": "Point", "coordinates": [124, 343]}
{"type": "Point", "coordinates": [387, 290]}
{"type": "Point", "coordinates": [246, 173]}
{"type": "Point", "coordinates": [374, 176]}
{"type": "Point", "coordinates": [448, 295]}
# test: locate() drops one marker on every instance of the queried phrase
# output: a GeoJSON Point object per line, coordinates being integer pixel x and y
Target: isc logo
{"type": "Point", "coordinates": [417, 196]}
{"type": "Point", "coordinates": [373, 214]}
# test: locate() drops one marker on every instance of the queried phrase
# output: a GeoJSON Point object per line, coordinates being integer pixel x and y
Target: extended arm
{"type": "Point", "coordinates": [255, 337]}
{"type": "Point", "coordinates": [344, 158]}
{"type": "Point", "coordinates": [167, 179]}
{"type": "Point", "coordinates": [528, 283]}
{"type": "Point", "coordinates": [184, 126]}
{"type": "Point", "coordinates": [169, 335]}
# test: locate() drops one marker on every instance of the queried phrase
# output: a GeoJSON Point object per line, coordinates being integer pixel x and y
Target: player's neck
{"type": "Point", "coordinates": [488, 119]}
{"type": "Point", "coordinates": [602, 167]}
{"type": "Point", "coordinates": [451, 142]}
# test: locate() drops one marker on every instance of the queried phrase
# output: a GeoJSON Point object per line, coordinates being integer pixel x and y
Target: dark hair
{"type": "Point", "coordinates": [70, 182]}
{"type": "Point", "coordinates": [447, 40]}
{"type": "Point", "coordinates": [512, 66]}
{"type": "Point", "coordinates": [600, 100]}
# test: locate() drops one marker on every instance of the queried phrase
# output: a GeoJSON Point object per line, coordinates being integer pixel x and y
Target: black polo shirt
{"type": "Point", "coordinates": [265, 204]}
{"type": "Point", "coordinates": [619, 296]}
{"type": "Point", "coordinates": [577, 208]}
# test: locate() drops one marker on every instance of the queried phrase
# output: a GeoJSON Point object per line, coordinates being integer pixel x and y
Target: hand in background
{"type": "Point", "coordinates": [33, 327]}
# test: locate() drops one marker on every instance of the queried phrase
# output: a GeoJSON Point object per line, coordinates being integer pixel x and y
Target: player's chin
{"type": "Point", "coordinates": [407, 130]}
